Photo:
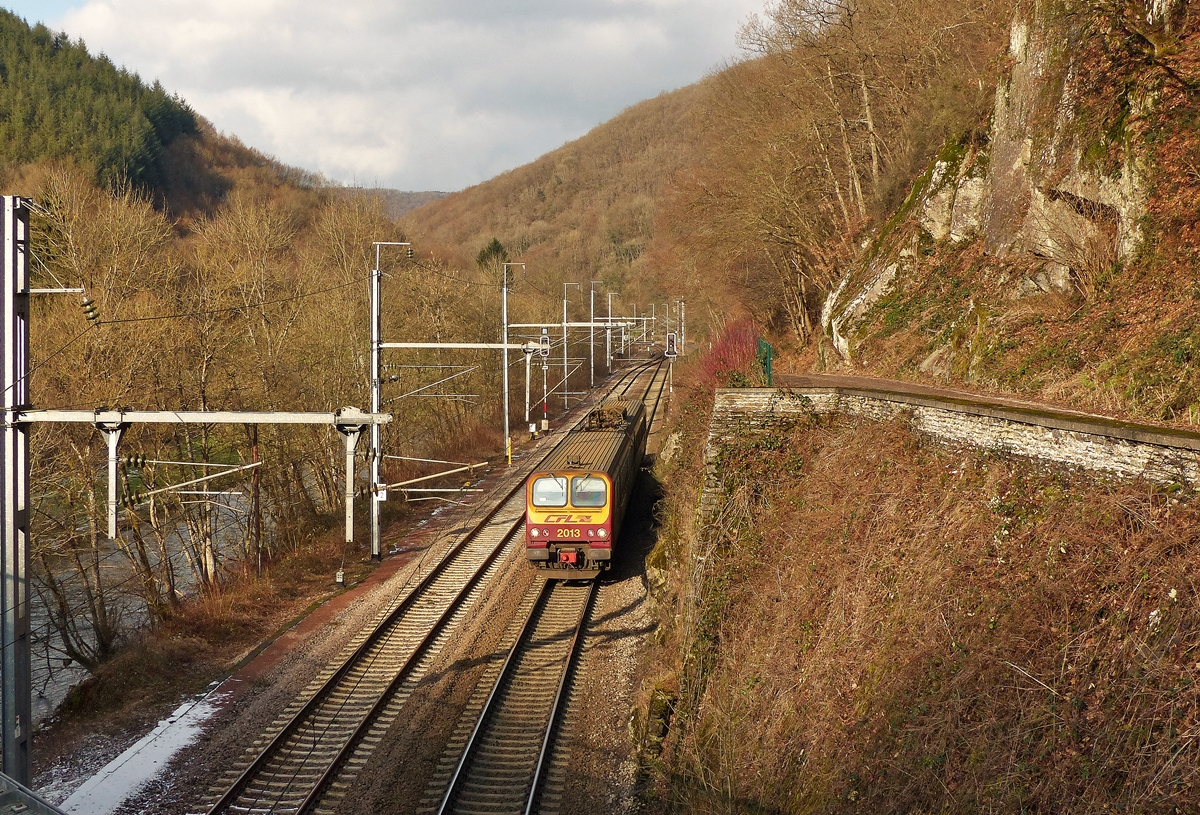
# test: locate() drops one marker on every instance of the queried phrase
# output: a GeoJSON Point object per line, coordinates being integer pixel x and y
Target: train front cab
{"type": "Point", "coordinates": [569, 523]}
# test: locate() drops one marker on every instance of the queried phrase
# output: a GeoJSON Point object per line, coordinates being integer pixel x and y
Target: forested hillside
{"type": "Point", "coordinates": [748, 192]}
{"type": "Point", "coordinates": [586, 211]}
{"type": "Point", "coordinates": [62, 105]}
{"type": "Point", "coordinates": [57, 101]}
{"type": "Point", "coordinates": [1050, 248]}
{"type": "Point", "coordinates": [222, 279]}
{"type": "Point", "coordinates": [862, 619]}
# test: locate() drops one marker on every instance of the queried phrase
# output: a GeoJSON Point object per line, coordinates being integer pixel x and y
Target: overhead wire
{"type": "Point", "coordinates": [181, 315]}
{"type": "Point", "coordinates": [243, 307]}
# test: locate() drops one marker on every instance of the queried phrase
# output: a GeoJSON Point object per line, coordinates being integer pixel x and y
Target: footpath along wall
{"type": "Point", "coordinates": [1098, 444]}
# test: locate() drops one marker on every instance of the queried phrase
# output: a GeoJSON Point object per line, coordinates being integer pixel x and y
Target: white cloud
{"type": "Point", "coordinates": [415, 94]}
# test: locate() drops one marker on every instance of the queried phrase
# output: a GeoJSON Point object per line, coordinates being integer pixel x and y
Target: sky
{"type": "Point", "coordinates": [407, 94]}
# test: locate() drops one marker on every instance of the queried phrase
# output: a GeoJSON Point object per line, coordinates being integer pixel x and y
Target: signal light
{"type": "Point", "coordinates": [90, 311]}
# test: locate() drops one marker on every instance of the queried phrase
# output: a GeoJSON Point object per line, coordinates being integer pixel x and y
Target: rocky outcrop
{"type": "Point", "coordinates": [1029, 191]}
{"type": "Point", "coordinates": [839, 326]}
{"type": "Point", "coordinates": [1041, 198]}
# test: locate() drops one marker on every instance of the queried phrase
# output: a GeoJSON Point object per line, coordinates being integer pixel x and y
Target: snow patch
{"type": "Point", "coordinates": [129, 772]}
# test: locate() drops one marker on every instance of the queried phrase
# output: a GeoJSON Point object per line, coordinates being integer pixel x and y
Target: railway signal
{"type": "Point", "coordinates": [672, 351]}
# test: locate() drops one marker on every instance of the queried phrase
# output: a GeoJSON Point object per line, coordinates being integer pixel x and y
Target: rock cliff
{"type": "Point", "coordinates": [1053, 193]}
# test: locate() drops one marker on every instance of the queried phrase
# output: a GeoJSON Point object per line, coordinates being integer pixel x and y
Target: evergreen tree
{"type": "Point", "coordinates": [492, 255]}
{"type": "Point", "coordinates": [58, 101]}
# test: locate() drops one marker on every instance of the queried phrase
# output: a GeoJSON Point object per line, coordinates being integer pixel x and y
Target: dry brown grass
{"type": "Point", "coordinates": [886, 626]}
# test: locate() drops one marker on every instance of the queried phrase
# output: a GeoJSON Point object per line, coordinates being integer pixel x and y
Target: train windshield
{"type": "Point", "coordinates": [549, 491]}
{"type": "Point", "coordinates": [588, 491]}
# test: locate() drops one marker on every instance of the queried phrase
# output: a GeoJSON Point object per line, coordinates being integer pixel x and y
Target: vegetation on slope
{"type": "Point", "coordinates": [806, 148]}
{"type": "Point", "coordinates": [237, 315]}
{"type": "Point", "coordinates": [746, 193]}
{"type": "Point", "coordinates": [925, 629]}
{"type": "Point", "coordinates": [1117, 333]}
{"type": "Point", "coordinates": [581, 213]}
{"type": "Point", "coordinates": [868, 622]}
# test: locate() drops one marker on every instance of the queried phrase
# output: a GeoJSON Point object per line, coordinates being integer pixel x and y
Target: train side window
{"type": "Point", "coordinates": [549, 491]}
{"type": "Point", "coordinates": [588, 491]}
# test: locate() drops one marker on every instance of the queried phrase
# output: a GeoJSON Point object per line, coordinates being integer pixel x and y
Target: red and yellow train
{"type": "Point", "coordinates": [576, 501]}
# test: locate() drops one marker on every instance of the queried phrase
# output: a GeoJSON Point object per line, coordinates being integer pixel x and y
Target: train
{"type": "Point", "coordinates": [575, 501]}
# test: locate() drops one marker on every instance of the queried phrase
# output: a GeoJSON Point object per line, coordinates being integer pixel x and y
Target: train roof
{"type": "Point", "coordinates": [597, 450]}
{"type": "Point", "coordinates": [616, 414]}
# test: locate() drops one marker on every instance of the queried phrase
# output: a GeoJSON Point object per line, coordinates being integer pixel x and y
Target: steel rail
{"type": "Point", "coordinates": [662, 386]}
{"type": "Point", "coordinates": [506, 678]}
{"type": "Point", "coordinates": [330, 685]}
{"type": "Point", "coordinates": [556, 708]}
{"type": "Point", "coordinates": [543, 593]}
{"type": "Point", "coordinates": [351, 744]}
{"type": "Point", "coordinates": [327, 688]}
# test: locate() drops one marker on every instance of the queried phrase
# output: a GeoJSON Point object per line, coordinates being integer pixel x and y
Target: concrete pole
{"type": "Point", "coordinates": [608, 337]}
{"type": "Point", "coordinates": [16, 723]}
{"type": "Point", "coordinates": [375, 453]}
{"type": "Point", "coordinates": [351, 433]}
{"type": "Point", "coordinates": [528, 359]}
{"type": "Point", "coordinates": [504, 341]}
{"type": "Point", "coordinates": [112, 436]}
{"type": "Point", "coordinates": [592, 339]}
{"type": "Point", "coordinates": [566, 371]}
{"type": "Point", "coordinates": [566, 384]}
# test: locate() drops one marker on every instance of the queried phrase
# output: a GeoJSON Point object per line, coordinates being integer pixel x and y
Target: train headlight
{"type": "Point", "coordinates": [603, 533]}
{"type": "Point", "coordinates": [533, 533]}
{"type": "Point", "coordinates": [591, 533]}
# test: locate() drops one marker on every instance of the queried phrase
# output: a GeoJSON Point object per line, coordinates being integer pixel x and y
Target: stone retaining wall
{"type": "Point", "coordinates": [1128, 451]}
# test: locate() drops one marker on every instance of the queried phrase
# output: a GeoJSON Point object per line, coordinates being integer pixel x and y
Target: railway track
{"type": "Point", "coordinates": [499, 759]}
{"type": "Point", "coordinates": [320, 743]}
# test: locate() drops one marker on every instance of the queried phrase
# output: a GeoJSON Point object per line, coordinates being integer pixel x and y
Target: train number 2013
{"type": "Point", "coordinates": [568, 533]}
